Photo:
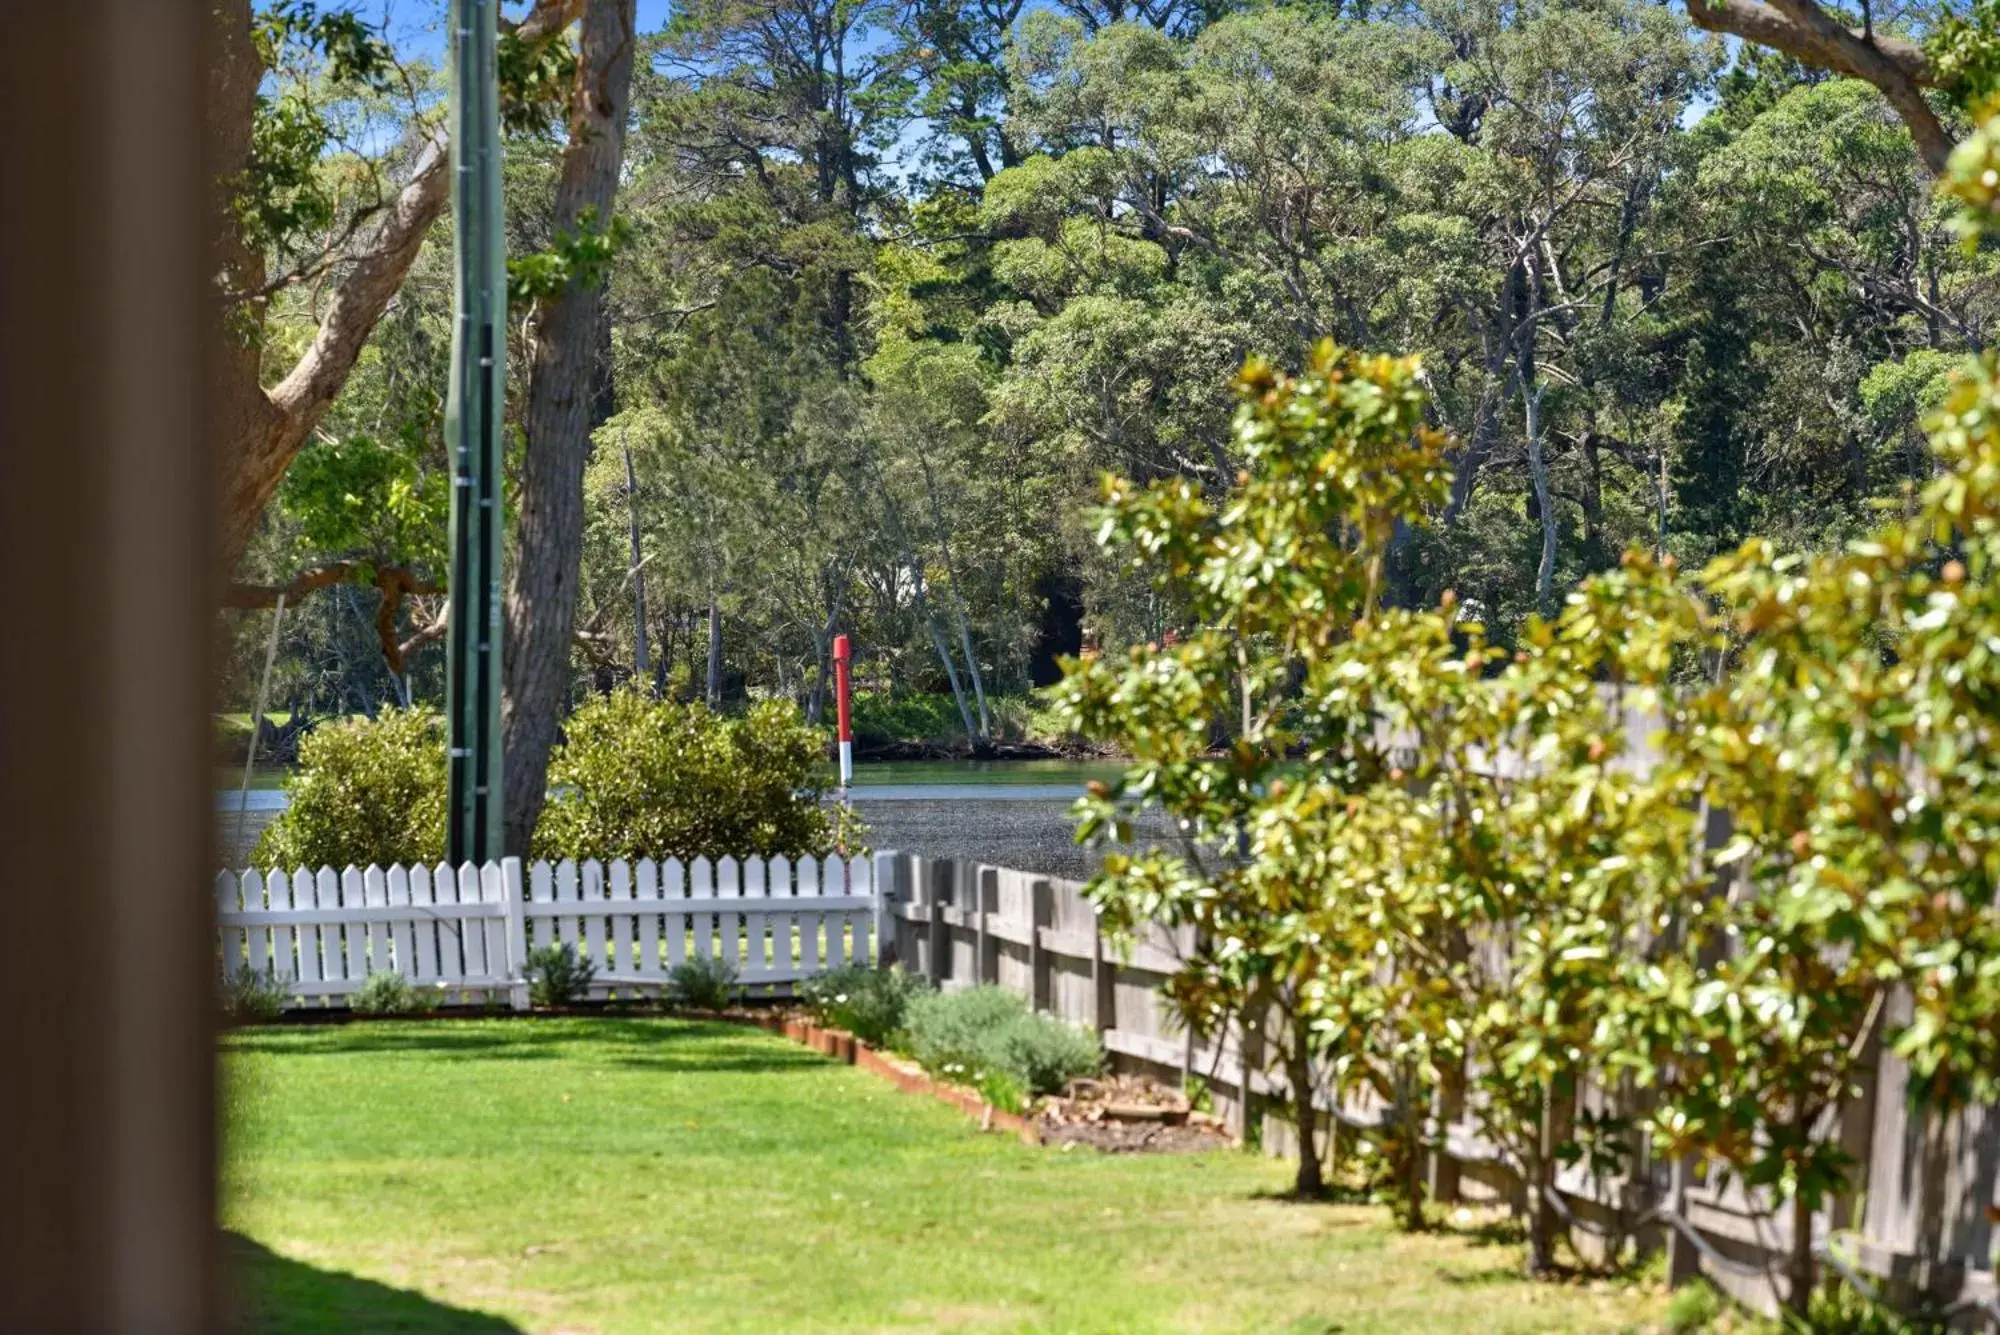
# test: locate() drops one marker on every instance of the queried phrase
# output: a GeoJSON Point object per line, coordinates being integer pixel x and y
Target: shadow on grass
{"type": "Point", "coordinates": [277, 1296]}
{"type": "Point", "coordinates": [1332, 1194]}
{"type": "Point", "coordinates": [691, 1047]}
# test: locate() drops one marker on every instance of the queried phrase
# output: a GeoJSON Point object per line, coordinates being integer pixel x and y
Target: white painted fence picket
{"type": "Point", "coordinates": [466, 932]}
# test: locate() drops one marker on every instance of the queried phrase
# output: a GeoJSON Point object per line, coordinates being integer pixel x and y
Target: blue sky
{"type": "Point", "coordinates": [418, 25]}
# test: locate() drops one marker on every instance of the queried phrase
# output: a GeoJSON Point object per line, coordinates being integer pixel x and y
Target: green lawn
{"type": "Point", "coordinates": [654, 1175]}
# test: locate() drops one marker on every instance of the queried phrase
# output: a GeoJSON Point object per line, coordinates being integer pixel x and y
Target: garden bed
{"type": "Point", "coordinates": [1117, 1114]}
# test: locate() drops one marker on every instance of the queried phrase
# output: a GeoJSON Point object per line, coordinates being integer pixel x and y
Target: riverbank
{"type": "Point", "coordinates": [911, 726]}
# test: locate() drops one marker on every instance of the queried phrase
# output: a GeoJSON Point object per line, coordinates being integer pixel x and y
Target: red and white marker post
{"type": "Point", "coordinates": [842, 713]}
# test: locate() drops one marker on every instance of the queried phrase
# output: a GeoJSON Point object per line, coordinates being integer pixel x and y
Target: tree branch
{"type": "Point", "coordinates": [394, 582]}
{"type": "Point", "coordinates": [1800, 28]}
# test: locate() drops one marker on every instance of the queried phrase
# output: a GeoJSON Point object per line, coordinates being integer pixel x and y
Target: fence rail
{"type": "Point", "coordinates": [467, 931]}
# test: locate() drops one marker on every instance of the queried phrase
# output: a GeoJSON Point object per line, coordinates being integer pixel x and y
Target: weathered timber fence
{"type": "Point", "coordinates": [466, 931]}
{"type": "Point", "coordinates": [960, 924]}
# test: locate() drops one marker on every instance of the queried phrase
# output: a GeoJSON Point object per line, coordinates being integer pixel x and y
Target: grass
{"type": "Point", "coordinates": [613, 1175]}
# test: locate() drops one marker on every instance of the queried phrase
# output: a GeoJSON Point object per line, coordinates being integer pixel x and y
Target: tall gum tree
{"type": "Point", "coordinates": [564, 327]}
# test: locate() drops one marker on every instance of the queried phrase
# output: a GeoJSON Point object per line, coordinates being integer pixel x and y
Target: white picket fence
{"type": "Point", "coordinates": [466, 931]}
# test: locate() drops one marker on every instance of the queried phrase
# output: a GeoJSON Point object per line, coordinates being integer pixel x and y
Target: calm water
{"type": "Point", "coordinates": [1011, 813]}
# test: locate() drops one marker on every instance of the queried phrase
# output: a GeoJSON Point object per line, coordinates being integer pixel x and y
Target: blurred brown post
{"type": "Point", "coordinates": [107, 1211]}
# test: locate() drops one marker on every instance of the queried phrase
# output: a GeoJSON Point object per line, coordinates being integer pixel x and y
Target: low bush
{"type": "Point", "coordinates": [703, 984]}
{"type": "Point", "coordinates": [983, 1033]}
{"type": "Point", "coordinates": [365, 792]}
{"type": "Point", "coordinates": [388, 994]}
{"type": "Point", "coordinates": [250, 995]}
{"type": "Point", "coordinates": [867, 1002]}
{"type": "Point", "coordinates": [1693, 1308]}
{"type": "Point", "coordinates": [639, 777]}
{"type": "Point", "coordinates": [558, 975]}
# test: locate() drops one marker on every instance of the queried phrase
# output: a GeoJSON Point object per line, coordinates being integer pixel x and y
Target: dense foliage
{"type": "Point", "coordinates": [366, 792]}
{"type": "Point", "coordinates": [1448, 879]}
{"type": "Point", "coordinates": [897, 282]}
{"type": "Point", "coordinates": [639, 777]}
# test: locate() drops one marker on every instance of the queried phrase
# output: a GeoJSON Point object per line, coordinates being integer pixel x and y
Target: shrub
{"type": "Point", "coordinates": [1694, 1307]}
{"type": "Point", "coordinates": [558, 975]}
{"type": "Point", "coordinates": [365, 792]}
{"type": "Point", "coordinates": [388, 994]}
{"type": "Point", "coordinates": [984, 1032]}
{"type": "Point", "coordinates": [703, 984]}
{"type": "Point", "coordinates": [638, 777]}
{"type": "Point", "coordinates": [251, 995]}
{"type": "Point", "coordinates": [868, 1003]}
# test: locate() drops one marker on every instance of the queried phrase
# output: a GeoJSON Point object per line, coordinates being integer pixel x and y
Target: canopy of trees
{"type": "Point", "coordinates": [887, 287]}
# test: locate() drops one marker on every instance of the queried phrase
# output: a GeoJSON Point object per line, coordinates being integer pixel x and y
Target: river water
{"type": "Point", "coordinates": [1013, 813]}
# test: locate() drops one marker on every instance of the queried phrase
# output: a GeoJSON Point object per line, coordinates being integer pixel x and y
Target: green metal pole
{"type": "Point", "coordinates": [473, 411]}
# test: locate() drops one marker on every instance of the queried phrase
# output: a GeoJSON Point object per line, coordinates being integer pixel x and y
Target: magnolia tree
{"type": "Point", "coordinates": [1442, 879]}
{"type": "Point", "coordinates": [1271, 580]}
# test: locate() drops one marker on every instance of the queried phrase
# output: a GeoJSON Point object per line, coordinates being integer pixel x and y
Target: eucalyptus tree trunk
{"type": "Point", "coordinates": [957, 600]}
{"type": "Point", "coordinates": [713, 688]}
{"type": "Point", "coordinates": [641, 661]}
{"type": "Point", "coordinates": [1538, 471]}
{"type": "Point", "coordinates": [944, 655]}
{"type": "Point", "coordinates": [541, 612]}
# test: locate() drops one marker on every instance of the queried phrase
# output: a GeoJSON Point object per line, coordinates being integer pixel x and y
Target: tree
{"type": "Point", "coordinates": [1270, 582]}
{"type": "Point", "coordinates": [563, 375]}
{"type": "Point", "coordinates": [271, 202]}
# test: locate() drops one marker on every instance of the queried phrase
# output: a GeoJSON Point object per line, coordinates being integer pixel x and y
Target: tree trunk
{"type": "Point", "coordinates": [712, 692]}
{"type": "Point", "coordinates": [1309, 1181]}
{"type": "Point", "coordinates": [1479, 445]}
{"type": "Point", "coordinates": [1538, 471]}
{"type": "Point", "coordinates": [957, 602]}
{"type": "Point", "coordinates": [1411, 1108]}
{"type": "Point", "coordinates": [944, 656]}
{"type": "Point", "coordinates": [1801, 1272]}
{"type": "Point", "coordinates": [541, 613]}
{"type": "Point", "coordinates": [823, 649]}
{"type": "Point", "coordinates": [641, 661]}
{"type": "Point", "coordinates": [1542, 1221]}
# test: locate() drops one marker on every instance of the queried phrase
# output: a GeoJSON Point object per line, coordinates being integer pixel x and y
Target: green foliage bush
{"type": "Point", "coordinates": [558, 975]}
{"type": "Point", "coordinates": [638, 777]}
{"type": "Point", "coordinates": [365, 792]}
{"type": "Point", "coordinates": [249, 994]}
{"type": "Point", "coordinates": [706, 984]}
{"type": "Point", "coordinates": [1694, 1307]}
{"type": "Point", "coordinates": [388, 994]}
{"type": "Point", "coordinates": [985, 1032]}
{"type": "Point", "coordinates": [867, 1002]}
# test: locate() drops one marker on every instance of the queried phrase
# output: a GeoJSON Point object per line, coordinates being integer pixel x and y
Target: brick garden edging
{"type": "Point", "coordinates": [845, 1047]}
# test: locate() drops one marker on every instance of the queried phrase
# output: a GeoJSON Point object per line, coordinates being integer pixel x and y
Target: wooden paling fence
{"type": "Point", "coordinates": [960, 923]}
{"type": "Point", "coordinates": [466, 931]}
